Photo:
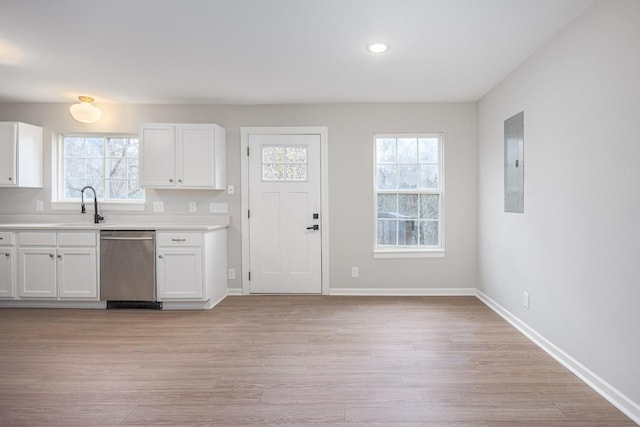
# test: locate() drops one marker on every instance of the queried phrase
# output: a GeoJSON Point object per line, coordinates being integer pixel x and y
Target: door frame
{"type": "Point", "coordinates": [245, 132]}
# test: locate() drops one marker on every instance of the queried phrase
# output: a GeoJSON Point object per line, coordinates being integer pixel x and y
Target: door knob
{"type": "Point", "coordinates": [314, 227]}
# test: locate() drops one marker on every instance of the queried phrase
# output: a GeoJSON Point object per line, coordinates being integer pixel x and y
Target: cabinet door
{"type": "Point", "coordinates": [77, 273]}
{"type": "Point", "coordinates": [158, 156]}
{"type": "Point", "coordinates": [6, 272]}
{"type": "Point", "coordinates": [37, 278]}
{"type": "Point", "coordinates": [195, 155]}
{"type": "Point", "coordinates": [8, 141]}
{"type": "Point", "coordinates": [179, 273]}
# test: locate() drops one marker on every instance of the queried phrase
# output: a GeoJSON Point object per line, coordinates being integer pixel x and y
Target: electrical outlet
{"type": "Point", "coordinates": [231, 189]}
{"type": "Point", "coordinates": [39, 205]}
{"type": "Point", "coordinates": [355, 272]}
{"type": "Point", "coordinates": [525, 300]}
{"type": "Point", "coordinates": [158, 206]}
{"type": "Point", "coordinates": [218, 207]}
{"type": "Point", "coordinates": [231, 274]}
{"type": "Point", "coordinates": [193, 207]}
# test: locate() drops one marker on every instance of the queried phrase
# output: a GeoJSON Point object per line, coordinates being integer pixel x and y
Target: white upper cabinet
{"type": "Point", "coordinates": [20, 155]}
{"type": "Point", "coordinates": [191, 156]}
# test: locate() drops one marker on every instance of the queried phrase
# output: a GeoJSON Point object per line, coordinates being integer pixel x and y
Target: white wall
{"type": "Point", "coordinates": [576, 249]}
{"type": "Point", "coordinates": [351, 129]}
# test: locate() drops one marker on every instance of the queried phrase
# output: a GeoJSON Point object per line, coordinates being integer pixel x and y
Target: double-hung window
{"type": "Point", "coordinates": [108, 163]}
{"type": "Point", "coordinates": [409, 195]}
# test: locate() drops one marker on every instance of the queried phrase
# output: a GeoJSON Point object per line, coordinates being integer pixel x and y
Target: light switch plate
{"type": "Point", "coordinates": [158, 206]}
{"type": "Point", "coordinates": [218, 207]}
{"type": "Point", "coordinates": [355, 272]}
{"type": "Point", "coordinates": [231, 189]}
{"type": "Point", "coordinates": [231, 274]}
{"type": "Point", "coordinates": [193, 207]}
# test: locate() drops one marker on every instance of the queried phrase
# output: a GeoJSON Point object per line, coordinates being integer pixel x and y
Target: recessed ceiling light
{"type": "Point", "coordinates": [377, 48]}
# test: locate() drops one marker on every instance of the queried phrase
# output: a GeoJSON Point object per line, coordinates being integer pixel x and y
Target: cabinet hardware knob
{"type": "Point", "coordinates": [170, 180]}
{"type": "Point", "coordinates": [179, 180]}
{"type": "Point", "coordinates": [178, 240]}
{"type": "Point", "coordinates": [10, 179]}
{"type": "Point", "coordinates": [7, 255]}
{"type": "Point", "coordinates": [59, 256]}
{"type": "Point", "coordinates": [159, 256]}
{"type": "Point", "coordinates": [50, 255]}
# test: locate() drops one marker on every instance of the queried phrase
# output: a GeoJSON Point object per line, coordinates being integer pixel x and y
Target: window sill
{"type": "Point", "coordinates": [407, 253]}
{"type": "Point", "coordinates": [103, 206]}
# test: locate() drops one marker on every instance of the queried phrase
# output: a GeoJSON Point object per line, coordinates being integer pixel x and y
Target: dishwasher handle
{"type": "Point", "coordinates": [126, 238]}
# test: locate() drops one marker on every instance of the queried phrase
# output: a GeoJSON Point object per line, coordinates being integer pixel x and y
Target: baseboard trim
{"type": "Point", "coordinates": [234, 291]}
{"type": "Point", "coordinates": [403, 291]}
{"type": "Point", "coordinates": [606, 390]}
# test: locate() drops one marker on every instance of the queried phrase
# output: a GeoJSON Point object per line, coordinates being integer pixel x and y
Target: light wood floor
{"type": "Point", "coordinates": [293, 360]}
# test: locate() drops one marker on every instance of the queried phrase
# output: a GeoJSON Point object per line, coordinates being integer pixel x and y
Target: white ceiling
{"type": "Point", "coordinates": [268, 51]}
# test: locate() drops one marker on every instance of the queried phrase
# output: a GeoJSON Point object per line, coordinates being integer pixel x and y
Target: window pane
{"type": "Point", "coordinates": [387, 233]}
{"type": "Point", "coordinates": [408, 206]}
{"type": "Point", "coordinates": [429, 233]}
{"type": "Point", "coordinates": [429, 206]}
{"type": "Point", "coordinates": [72, 188]}
{"type": "Point", "coordinates": [387, 179]}
{"type": "Point", "coordinates": [296, 172]}
{"type": "Point", "coordinates": [407, 150]}
{"type": "Point", "coordinates": [387, 205]}
{"type": "Point", "coordinates": [117, 169]}
{"type": "Point", "coordinates": [428, 150]}
{"type": "Point", "coordinates": [98, 184]}
{"type": "Point", "coordinates": [116, 147]}
{"type": "Point", "coordinates": [408, 233]}
{"type": "Point", "coordinates": [429, 177]}
{"type": "Point", "coordinates": [272, 172]}
{"type": "Point", "coordinates": [132, 168]}
{"type": "Point", "coordinates": [135, 192]}
{"type": "Point", "coordinates": [385, 150]}
{"type": "Point", "coordinates": [95, 148]}
{"type": "Point", "coordinates": [117, 189]}
{"type": "Point", "coordinates": [273, 154]}
{"type": "Point", "coordinates": [296, 154]}
{"type": "Point", "coordinates": [132, 148]}
{"type": "Point", "coordinates": [73, 147]}
{"type": "Point", "coordinates": [74, 168]}
{"type": "Point", "coordinates": [408, 177]}
{"type": "Point", "coordinates": [94, 168]}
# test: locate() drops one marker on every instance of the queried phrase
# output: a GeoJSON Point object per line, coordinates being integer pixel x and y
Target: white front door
{"type": "Point", "coordinates": [285, 253]}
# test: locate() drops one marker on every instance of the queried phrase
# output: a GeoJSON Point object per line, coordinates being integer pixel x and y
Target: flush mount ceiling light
{"type": "Point", "coordinates": [377, 48]}
{"type": "Point", "coordinates": [85, 111]}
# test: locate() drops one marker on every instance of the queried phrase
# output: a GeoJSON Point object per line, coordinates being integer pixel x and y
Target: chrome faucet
{"type": "Point", "coordinates": [96, 217]}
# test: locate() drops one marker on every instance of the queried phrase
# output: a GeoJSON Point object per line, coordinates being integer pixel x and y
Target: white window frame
{"type": "Point", "coordinates": [58, 202]}
{"type": "Point", "coordinates": [382, 252]}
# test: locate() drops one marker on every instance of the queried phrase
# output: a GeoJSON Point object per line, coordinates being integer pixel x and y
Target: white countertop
{"type": "Point", "coordinates": [107, 226]}
{"type": "Point", "coordinates": [114, 222]}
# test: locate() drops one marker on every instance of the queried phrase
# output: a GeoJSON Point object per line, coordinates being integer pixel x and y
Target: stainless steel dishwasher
{"type": "Point", "coordinates": [128, 269]}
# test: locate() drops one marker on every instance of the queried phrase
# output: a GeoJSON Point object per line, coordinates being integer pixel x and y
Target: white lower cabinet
{"type": "Point", "coordinates": [58, 266]}
{"type": "Point", "coordinates": [179, 273]}
{"type": "Point", "coordinates": [37, 272]}
{"type": "Point", "coordinates": [7, 257]}
{"type": "Point", "coordinates": [191, 268]}
{"type": "Point", "coordinates": [77, 273]}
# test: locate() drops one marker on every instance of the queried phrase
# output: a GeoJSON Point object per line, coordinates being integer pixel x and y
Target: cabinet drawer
{"type": "Point", "coordinates": [77, 239]}
{"type": "Point", "coordinates": [179, 239]}
{"type": "Point", "coordinates": [37, 239]}
{"type": "Point", "coordinates": [6, 238]}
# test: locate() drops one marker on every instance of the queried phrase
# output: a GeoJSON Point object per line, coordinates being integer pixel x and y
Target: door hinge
{"type": "Point", "coordinates": [248, 213]}
{"type": "Point", "coordinates": [247, 151]}
{"type": "Point", "coordinates": [249, 276]}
